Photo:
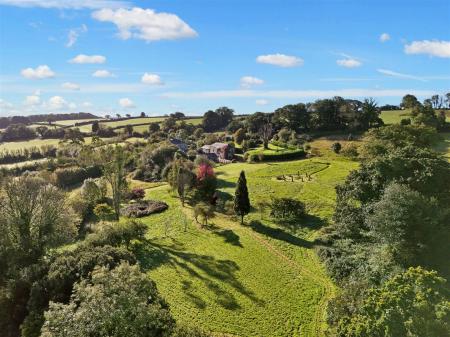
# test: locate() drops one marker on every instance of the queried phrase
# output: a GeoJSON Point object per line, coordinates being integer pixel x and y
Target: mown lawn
{"type": "Point", "coordinates": [261, 279]}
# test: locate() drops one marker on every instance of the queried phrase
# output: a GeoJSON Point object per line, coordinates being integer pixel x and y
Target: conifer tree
{"type": "Point", "coordinates": [241, 200]}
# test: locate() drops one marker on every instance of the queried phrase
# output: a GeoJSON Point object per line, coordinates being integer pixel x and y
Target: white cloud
{"type": "Point", "coordinates": [5, 105]}
{"type": "Point", "coordinates": [297, 94]}
{"type": "Point", "coordinates": [32, 100]}
{"type": "Point", "coordinates": [249, 81]}
{"type": "Point", "coordinates": [151, 79]}
{"type": "Point", "coordinates": [400, 75]}
{"type": "Point", "coordinates": [73, 35]}
{"type": "Point", "coordinates": [70, 86]}
{"type": "Point", "coordinates": [385, 37]}
{"type": "Point", "coordinates": [280, 60]}
{"type": "Point", "coordinates": [432, 48]}
{"type": "Point", "coordinates": [145, 24]}
{"type": "Point", "coordinates": [88, 59]}
{"type": "Point", "coordinates": [86, 105]}
{"type": "Point", "coordinates": [56, 103]}
{"type": "Point", "coordinates": [349, 62]}
{"type": "Point", "coordinates": [39, 73]}
{"type": "Point", "coordinates": [126, 103]}
{"type": "Point", "coordinates": [66, 4]}
{"type": "Point", "coordinates": [102, 74]}
{"type": "Point", "coordinates": [262, 101]}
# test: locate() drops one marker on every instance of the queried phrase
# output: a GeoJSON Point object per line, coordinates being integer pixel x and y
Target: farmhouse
{"type": "Point", "coordinates": [218, 151]}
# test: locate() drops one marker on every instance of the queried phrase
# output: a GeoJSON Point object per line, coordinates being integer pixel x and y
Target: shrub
{"type": "Point", "coordinates": [103, 211]}
{"type": "Point", "coordinates": [336, 147]}
{"type": "Point", "coordinates": [204, 211]}
{"type": "Point", "coordinates": [287, 208]}
{"type": "Point", "coordinates": [65, 177]}
{"type": "Point", "coordinates": [137, 193]}
{"type": "Point", "coordinates": [405, 121]}
{"type": "Point", "coordinates": [116, 234]}
{"type": "Point", "coordinates": [350, 151]}
{"type": "Point", "coordinates": [144, 208]}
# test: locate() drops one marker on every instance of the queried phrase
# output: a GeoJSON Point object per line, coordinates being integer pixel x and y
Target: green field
{"type": "Point", "coordinates": [34, 142]}
{"type": "Point", "coordinates": [262, 279]}
{"type": "Point", "coordinates": [133, 121]}
{"type": "Point", "coordinates": [73, 121]}
{"type": "Point", "coordinates": [394, 116]}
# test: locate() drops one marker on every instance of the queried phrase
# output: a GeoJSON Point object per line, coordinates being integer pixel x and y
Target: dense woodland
{"type": "Point", "coordinates": [72, 247]}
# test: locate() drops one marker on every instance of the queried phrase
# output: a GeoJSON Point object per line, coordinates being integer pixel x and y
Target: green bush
{"type": "Point", "coordinates": [65, 177]}
{"type": "Point", "coordinates": [287, 208]}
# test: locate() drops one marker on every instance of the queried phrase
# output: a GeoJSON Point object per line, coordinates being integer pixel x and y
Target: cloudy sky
{"type": "Point", "coordinates": [107, 56]}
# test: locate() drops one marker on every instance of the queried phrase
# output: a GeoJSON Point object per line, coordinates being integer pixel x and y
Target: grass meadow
{"type": "Point", "coordinates": [260, 279]}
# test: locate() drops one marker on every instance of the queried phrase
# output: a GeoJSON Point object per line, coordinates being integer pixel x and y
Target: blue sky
{"type": "Point", "coordinates": [106, 56]}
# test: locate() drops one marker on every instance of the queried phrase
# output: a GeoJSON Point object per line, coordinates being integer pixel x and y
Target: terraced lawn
{"type": "Point", "coordinates": [261, 279]}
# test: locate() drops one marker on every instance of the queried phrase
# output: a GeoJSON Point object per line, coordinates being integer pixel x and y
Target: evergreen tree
{"type": "Point", "coordinates": [241, 200]}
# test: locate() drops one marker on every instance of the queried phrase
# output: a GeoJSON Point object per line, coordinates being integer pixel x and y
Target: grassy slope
{"type": "Point", "coordinates": [34, 142]}
{"type": "Point", "coordinates": [394, 116]}
{"type": "Point", "coordinates": [73, 121]}
{"type": "Point", "coordinates": [261, 280]}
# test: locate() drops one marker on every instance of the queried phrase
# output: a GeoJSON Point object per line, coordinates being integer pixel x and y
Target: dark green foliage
{"type": "Point", "coordinates": [406, 222]}
{"type": "Point", "coordinates": [391, 213]}
{"type": "Point", "coordinates": [239, 136]}
{"type": "Point", "coordinates": [16, 132]}
{"type": "Point", "coordinates": [287, 208]}
{"type": "Point", "coordinates": [336, 147]}
{"type": "Point", "coordinates": [116, 234]}
{"type": "Point", "coordinates": [293, 117]}
{"type": "Point", "coordinates": [218, 119]}
{"type": "Point", "coordinates": [426, 115]}
{"type": "Point", "coordinates": [153, 127]}
{"type": "Point", "coordinates": [112, 303]}
{"type": "Point", "coordinates": [286, 155]}
{"type": "Point", "coordinates": [66, 177]}
{"type": "Point", "coordinates": [241, 199]}
{"type": "Point", "coordinates": [412, 304]}
{"type": "Point", "coordinates": [61, 272]}
{"type": "Point", "coordinates": [32, 153]}
{"type": "Point", "coordinates": [380, 141]}
{"type": "Point", "coordinates": [95, 126]}
{"type": "Point", "coordinates": [409, 101]}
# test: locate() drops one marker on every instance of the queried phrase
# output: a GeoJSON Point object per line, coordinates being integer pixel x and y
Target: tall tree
{"type": "Point", "coordinates": [114, 303]}
{"type": "Point", "coordinates": [369, 114]}
{"type": "Point", "coordinates": [409, 101]}
{"type": "Point", "coordinates": [95, 126]}
{"type": "Point", "coordinates": [114, 160]}
{"type": "Point", "coordinates": [411, 304]}
{"type": "Point", "coordinates": [241, 199]}
{"type": "Point", "coordinates": [34, 217]}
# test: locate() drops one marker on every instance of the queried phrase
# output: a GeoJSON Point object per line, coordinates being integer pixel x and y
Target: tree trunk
{"type": "Point", "coordinates": [242, 219]}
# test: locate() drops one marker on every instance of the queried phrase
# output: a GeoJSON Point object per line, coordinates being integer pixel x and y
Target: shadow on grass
{"type": "Point", "coordinates": [225, 183]}
{"type": "Point", "coordinates": [279, 234]}
{"type": "Point", "coordinates": [306, 221]}
{"type": "Point", "coordinates": [229, 237]}
{"type": "Point", "coordinates": [207, 269]}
